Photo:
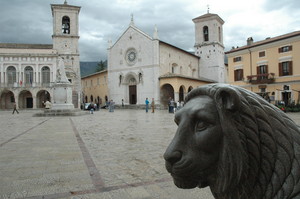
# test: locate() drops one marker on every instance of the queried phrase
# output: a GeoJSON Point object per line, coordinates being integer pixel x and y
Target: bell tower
{"type": "Point", "coordinates": [209, 46]}
{"type": "Point", "coordinates": [65, 41]}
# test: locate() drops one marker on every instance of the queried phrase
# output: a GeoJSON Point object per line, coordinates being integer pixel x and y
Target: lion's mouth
{"type": "Point", "coordinates": [186, 175]}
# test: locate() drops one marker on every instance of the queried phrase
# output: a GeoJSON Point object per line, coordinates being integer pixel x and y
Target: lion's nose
{"type": "Point", "coordinates": [173, 157]}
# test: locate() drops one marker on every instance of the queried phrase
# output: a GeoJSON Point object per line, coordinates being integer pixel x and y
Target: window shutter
{"type": "Point", "coordinates": [235, 75]}
{"type": "Point", "coordinates": [257, 70]}
{"type": "Point", "coordinates": [291, 68]}
{"type": "Point", "coordinates": [280, 69]}
{"type": "Point", "coordinates": [291, 48]}
{"type": "Point", "coordinates": [279, 50]}
{"type": "Point", "coordinates": [267, 69]}
{"type": "Point", "coordinates": [242, 74]}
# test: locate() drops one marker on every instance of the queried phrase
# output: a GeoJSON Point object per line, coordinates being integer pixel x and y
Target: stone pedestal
{"type": "Point", "coordinates": [62, 97]}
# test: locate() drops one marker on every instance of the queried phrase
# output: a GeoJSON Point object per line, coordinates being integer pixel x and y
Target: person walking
{"type": "Point", "coordinates": [147, 104]}
{"type": "Point", "coordinates": [15, 108]}
{"type": "Point", "coordinates": [152, 105]}
{"type": "Point", "coordinates": [172, 104]}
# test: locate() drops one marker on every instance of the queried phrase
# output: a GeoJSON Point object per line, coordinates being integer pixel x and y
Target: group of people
{"type": "Point", "coordinates": [174, 106]}
{"type": "Point", "coordinates": [110, 105]}
{"type": "Point", "coordinates": [152, 105]}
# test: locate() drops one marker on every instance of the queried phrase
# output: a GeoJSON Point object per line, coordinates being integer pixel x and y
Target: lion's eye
{"type": "Point", "coordinates": [200, 126]}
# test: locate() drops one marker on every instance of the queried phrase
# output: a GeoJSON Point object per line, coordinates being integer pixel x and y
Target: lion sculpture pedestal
{"type": "Point", "coordinates": [235, 142]}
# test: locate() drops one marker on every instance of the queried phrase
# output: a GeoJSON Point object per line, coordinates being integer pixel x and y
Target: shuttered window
{"type": "Point", "coordinates": [285, 68]}
{"type": "Point", "coordinates": [238, 75]}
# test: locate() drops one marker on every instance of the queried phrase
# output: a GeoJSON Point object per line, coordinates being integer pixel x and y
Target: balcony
{"type": "Point", "coordinates": [266, 78]}
{"type": "Point", "coordinates": [26, 85]}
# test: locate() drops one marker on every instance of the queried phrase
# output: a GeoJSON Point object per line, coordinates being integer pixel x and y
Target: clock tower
{"type": "Point", "coordinates": [65, 41]}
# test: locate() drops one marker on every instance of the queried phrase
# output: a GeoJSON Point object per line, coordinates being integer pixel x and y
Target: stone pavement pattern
{"type": "Point", "coordinates": [104, 155]}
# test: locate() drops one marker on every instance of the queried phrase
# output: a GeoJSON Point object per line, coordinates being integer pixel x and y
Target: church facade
{"type": "Point", "coordinates": [141, 66]}
{"type": "Point", "coordinates": [28, 71]}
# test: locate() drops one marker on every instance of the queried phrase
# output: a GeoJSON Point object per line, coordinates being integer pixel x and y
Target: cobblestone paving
{"type": "Point", "coordinates": [104, 155]}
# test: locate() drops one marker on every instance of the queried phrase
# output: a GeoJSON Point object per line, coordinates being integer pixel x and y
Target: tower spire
{"type": "Point", "coordinates": [65, 2]}
{"type": "Point", "coordinates": [132, 21]}
{"type": "Point", "coordinates": [207, 8]}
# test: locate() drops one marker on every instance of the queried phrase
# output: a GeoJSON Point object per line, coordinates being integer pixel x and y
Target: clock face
{"type": "Point", "coordinates": [131, 56]}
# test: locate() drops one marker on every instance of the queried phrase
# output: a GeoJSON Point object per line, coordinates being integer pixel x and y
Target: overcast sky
{"type": "Point", "coordinates": [30, 21]}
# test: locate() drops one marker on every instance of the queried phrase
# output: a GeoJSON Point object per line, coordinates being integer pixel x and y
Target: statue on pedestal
{"type": "Point", "coordinates": [60, 72]}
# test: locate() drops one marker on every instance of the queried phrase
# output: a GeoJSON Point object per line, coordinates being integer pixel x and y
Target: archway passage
{"type": "Point", "coordinates": [41, 97]}
{"type": "Point", "coordinates": [25, 99]}
{"type": "Point", "coordinates": [190, 88]}
{"type": "Point", "coordinates": [167, 92]}
{"type": "Point", "coordinates": [181, 93]}
{"type": "Point", "coordinates": [132, 94]}
{"type": "Point", "coordinates": [7, 99]}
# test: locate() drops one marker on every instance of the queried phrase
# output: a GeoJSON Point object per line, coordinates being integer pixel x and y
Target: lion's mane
{"type": "Point", "coordinates": [260, 156]}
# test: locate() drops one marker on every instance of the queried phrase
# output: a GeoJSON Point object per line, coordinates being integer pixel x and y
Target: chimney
{"type": "Point", "coordinates": [249, 41]}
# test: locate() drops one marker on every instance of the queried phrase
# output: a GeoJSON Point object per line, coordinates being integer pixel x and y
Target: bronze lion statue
{"type": "Point", "coordinates": [235, 142]}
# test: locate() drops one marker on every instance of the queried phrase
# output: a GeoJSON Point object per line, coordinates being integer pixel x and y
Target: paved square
{"type": "Point", "coordinates": [101, 155]}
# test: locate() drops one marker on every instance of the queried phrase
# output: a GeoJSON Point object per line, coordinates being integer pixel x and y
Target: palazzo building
{"type": "Point", "coordinates": [141, 66]}
{"type": "Point", "coordinates": [28, 71]}
{"type": "Point", "coordinates": [269, 67]}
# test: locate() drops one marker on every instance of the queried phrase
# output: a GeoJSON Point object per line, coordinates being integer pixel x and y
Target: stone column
{"type": "Point", "coordinates": [176, 96]}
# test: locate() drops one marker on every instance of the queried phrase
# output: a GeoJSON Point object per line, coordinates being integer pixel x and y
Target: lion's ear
{"type": "Point", "coordinates": [228, 99]}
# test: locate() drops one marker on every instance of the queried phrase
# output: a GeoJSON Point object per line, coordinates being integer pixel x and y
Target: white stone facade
{"type": "Point", "coordinates": [28, 71]}
{"type": "Point", "coordinates": [138, 73]}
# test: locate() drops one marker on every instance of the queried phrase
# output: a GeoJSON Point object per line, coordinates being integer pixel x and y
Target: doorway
{"type": "Point", "coordinates": [29, 102]}
{"type": "Point", "coordinates": [132, 94]}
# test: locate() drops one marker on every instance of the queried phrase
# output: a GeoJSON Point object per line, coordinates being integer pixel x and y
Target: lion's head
{"type": "Point", "coordinates": [227, 138]}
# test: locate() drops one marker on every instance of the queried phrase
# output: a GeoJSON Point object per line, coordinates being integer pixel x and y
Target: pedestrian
{"type": "Point", "coordinates": [111, 106]}
{"type": "Point", "coordinates": [178, 106]}
{"type": "Point", "coordinates": [172, 104]}
{"type": "Point", "coordinates": [147, 104]}
{"type": "Point", "coordinates": [92, 108]}
{"type": "Point", "coordinates": [122, 103]}
{"type": "Point", "coordinates": [15, 108]}
{"type": "Point", "coordinates": [153, 105]}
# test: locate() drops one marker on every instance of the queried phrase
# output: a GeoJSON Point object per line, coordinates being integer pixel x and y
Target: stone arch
{"type": "Point", "coordinates": [7, 98]}
{"type": "Point", "coordinates": [166, 92]}
{"type": "Point", "coordinates": [86, 99]}
{"type": "Point", "coordinates": [131, 79]}
{"type": "Point", "coordinates": [181, 93]}
{"type": "Point", "coordinates": [25, 99]}
{"type": "Point", "coordinates": [190, 88]}
{"type": "Point", "coordinates": [91, 98]}
{"type": "Point", "coordinates": [42, 96]}
{"type": "Point", "coordinates": [65, 25]}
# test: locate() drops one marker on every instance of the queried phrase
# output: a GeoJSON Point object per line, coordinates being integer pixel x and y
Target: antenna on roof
{"type": "Point", "coordinates": [207, 9]}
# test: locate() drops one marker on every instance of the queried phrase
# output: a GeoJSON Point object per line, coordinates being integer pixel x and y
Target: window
{"type": "Point", "coordinates": [237, 59]}
{"type": "Point", "coordinates": [65, 25]}
{"type": "Point", "coordinates": [262, 53]}
{"type": "Point", "coordinates": [220, 34]}
{"type": "Point", "coordinates": [205, 33]}
{"type": "Point", "coordinates": [45, 75]}
{"type": "Point", "coordinates": [28, 75]}
{"type": "Point", "coordinates": [11, 75]}
{"type": "Point", "coordinates": [262, 69]}
{"type": "Point", "coordinates": [286, 68]}
{"type": "Point", "coordinates": [285, 49]}
{"type": "Point", "coordinates": [238, 75]}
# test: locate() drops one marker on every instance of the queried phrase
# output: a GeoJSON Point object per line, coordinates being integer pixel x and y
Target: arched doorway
{"type": "Point", "coordinates": [190, 88]}
{"type": "Point", "coordinates": [42, 96]}
{"type": "Point", "coordinates": [25, 99]}
{"type": "Point", "coordinates": [167, 92]}
{"type": "Point", "coordinates": [7, 100]}
{"type": "Point", "coordinates": [181, 93]}
{"type": "Point", "coordinates": [132, 91]}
